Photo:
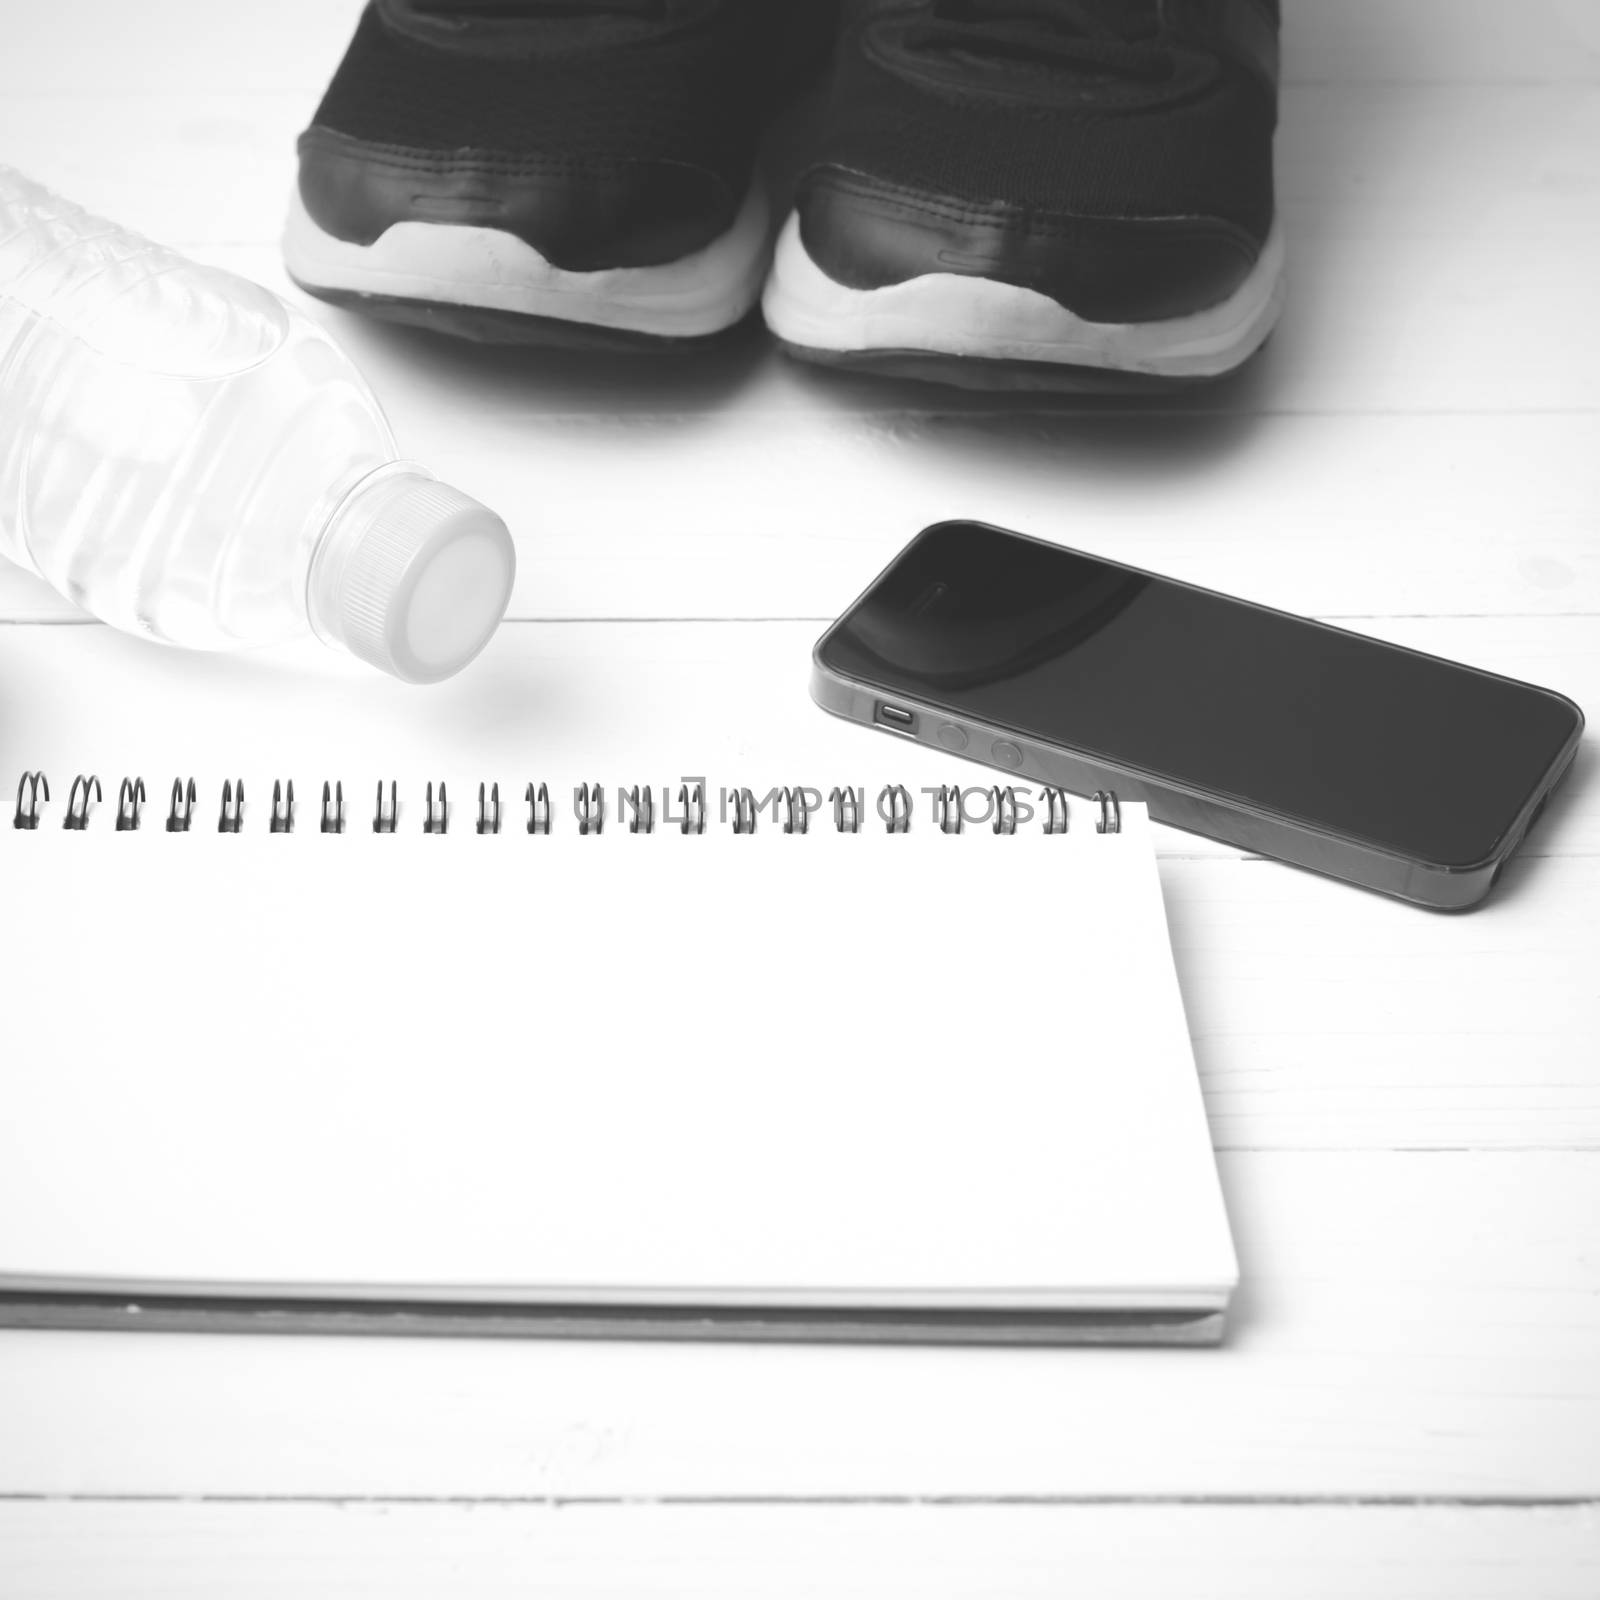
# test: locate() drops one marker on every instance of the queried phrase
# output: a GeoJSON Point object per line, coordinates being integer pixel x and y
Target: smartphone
{"type": "Point", "coordinates": [1391, 769]}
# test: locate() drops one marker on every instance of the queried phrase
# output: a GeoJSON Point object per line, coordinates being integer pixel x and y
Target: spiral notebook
{"type": "Point", "coordinates": [859, 1062]}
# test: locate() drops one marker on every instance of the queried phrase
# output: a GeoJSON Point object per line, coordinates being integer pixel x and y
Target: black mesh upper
{"type": "Point", "coordinates": [1195, 143]}
{"type": "Point", "coordinates": [691, 90]}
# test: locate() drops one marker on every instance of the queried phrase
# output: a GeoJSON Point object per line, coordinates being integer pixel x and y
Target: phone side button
{"type": "Point", "coordinates": [951, 737]}
{"type": "Point", "coordinates": [1005, 754]}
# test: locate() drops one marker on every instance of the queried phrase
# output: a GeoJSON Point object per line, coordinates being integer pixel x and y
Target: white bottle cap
{"type": "Point", "coordinates": [414, 576]}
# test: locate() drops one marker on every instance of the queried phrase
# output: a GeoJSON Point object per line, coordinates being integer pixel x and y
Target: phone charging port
{"type": "Point", "coordinates": [896, 717]}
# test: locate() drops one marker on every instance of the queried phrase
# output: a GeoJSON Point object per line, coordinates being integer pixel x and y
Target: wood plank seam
{"type": "Point", "coordinates": [841, 1501]}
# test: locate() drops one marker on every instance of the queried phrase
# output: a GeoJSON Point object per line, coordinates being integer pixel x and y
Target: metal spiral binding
{"type": "Point", "coordinates": [693, 802]}
{"type": "Point", "coordinates": [538, 808]}
{"type": "Point", "coordinates": [489, 810]}
{"type": "Point", "coordinates": [792, 808]}
{"type": "Point", "coordinates": [894, 806]}
{"type": "Point", "coordinates": [847, 808]}
{"type": "Point", "coordinates": [641, 806]}
{"type": "Point", "coordinates": [384, 821]}
{"type": "Point", "coordinates": [77, 817]}
{"type": "Point", "coordinates": [332, 820]}
{"type": "Point", "coordinates": [130, 799]}
{"type": "Point", "coordinates": [437, 821]}
{"type": "Point", "coordinates": [180, 813]}
{"type": "Point", "coordinates": [32, 788]}
{"type": "Point", "coordinates": [1005, 809]}
{"type": "Point", "coordinates": [282, 819]}
{"type": "Point", "coordinates": [796, 813]}
{"type": "Point", "coordinates": [231, 819]}
{"type": "Point", "coordinates": [590, 803]}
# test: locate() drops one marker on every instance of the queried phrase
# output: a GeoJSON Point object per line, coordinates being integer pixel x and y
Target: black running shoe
{"type": "Point", "coordinates": [572, 171]}
{"type": "Point", "coordinates": [1054, 193]}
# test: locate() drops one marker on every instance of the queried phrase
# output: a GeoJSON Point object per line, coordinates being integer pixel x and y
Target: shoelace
{"type": "Point", "coordinates": [1100, 36]}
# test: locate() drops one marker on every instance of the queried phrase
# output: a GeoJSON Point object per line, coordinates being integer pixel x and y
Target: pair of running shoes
{"type": "Point", "coordinates": [996, 193]}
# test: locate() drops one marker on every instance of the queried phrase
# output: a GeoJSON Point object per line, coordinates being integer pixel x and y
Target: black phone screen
{"type": "Point", "coordinates": [1409, 753]}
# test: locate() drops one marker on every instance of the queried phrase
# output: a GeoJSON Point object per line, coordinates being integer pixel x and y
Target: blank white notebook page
{"type": "Point", "coordinates": [829, 1069]}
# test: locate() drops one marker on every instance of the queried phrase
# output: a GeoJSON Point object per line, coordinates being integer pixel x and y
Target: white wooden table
{"type": "Point", "coordinates": [1407, 1107]}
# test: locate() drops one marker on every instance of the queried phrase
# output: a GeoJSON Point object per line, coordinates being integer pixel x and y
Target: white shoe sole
{"type": "Point", "coordinates": [443, 265]}
{"type": "Point", "coordinates": [950, 314]}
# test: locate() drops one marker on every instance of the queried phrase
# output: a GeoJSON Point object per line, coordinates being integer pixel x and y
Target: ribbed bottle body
{"type": "Point", "coordinates": [173, 438]}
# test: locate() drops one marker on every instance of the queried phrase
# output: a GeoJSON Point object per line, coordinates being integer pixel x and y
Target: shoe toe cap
{"type": "Point", "coordinates": [580, 215]}
{"type": "Point", "coordinates": [868, 233]}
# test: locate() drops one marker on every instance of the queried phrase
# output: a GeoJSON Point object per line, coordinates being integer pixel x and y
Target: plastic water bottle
{"type": "Point", "coordinates": [189, 457]}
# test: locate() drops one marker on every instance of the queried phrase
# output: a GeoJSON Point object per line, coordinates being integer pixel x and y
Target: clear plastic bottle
{"type": "Point", "coordinates": [189, 457]}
